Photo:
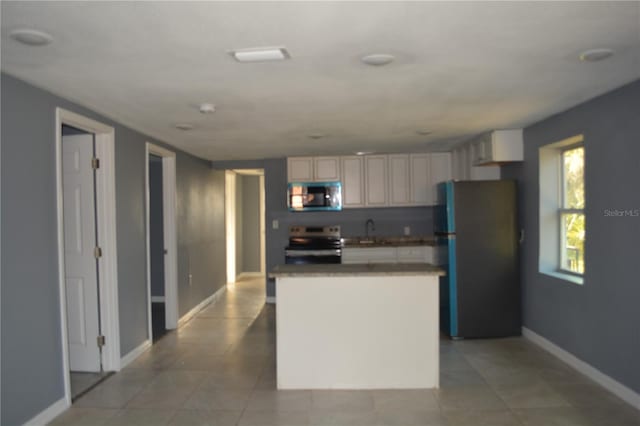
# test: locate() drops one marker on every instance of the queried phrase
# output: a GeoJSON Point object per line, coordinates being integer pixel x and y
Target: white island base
{"type": "Point", "coordinates": [346, 330]}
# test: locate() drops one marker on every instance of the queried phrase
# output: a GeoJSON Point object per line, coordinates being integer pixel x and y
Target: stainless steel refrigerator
{"type": "Point", "coordinates": [477, 236]}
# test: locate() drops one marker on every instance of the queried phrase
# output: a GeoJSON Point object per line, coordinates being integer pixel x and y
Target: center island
{"type": "Point", "coordinates": [357, 326]}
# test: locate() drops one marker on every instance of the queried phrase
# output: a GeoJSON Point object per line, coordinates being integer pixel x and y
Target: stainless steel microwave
{"type": "Point", "coordinates": [314, 196]}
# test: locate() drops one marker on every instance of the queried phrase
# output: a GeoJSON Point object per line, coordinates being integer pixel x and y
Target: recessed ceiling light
{"type": "Point", "coordinates": [595, 55]}
{"type": "Point", "coordinates": [207, 108]}
{"type": "Point", "coordinates": [363, 152]}
{"type": "Point", "coordinates": [260, 54]}
{"type": "Point", "coordinates": [184, 126]}
{"type": "Point", "coordinates": [316, 135]}
{"type": "Point", "coordinates": [423, 132]}
{"type": "Point", "coordinates": [31, 37]}
{"type": "Point", "coordinates": [378, 59]}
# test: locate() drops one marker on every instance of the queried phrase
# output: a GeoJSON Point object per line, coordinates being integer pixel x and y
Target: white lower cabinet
{"type": "Point", "coordinates": [412, 254]}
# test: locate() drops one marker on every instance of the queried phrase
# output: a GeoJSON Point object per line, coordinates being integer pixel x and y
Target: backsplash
{"type": "Point", "coordinates": [388, 221]}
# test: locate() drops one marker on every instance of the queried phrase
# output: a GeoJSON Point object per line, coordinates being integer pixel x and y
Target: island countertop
{"type": "Point", "coordinates": [364, 269]}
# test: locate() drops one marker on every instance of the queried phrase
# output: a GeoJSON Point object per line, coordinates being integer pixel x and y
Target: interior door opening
{"type": "Point", "coordinates": [245, 224]}
{"type": "Point", "coordinates": [82, 277]}
{"type": "Point", "coordinates": [156, 248]}
{"type": "Point", "coordinates": [162, 248]}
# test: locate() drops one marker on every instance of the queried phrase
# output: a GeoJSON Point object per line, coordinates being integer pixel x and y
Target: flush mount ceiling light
{"type": "Point", "coordinates": [31, 37]}
{"type": "Point", "coordinates": [260, 54]}
{"type": "Point", "coordinates": [363, 152]}
{"type": "Point", "coordinates": [596, 55]}
{"type": "Point", "coordinates": [207, 108]}
{"type": "Point", "coordinates": [184, 126]}
{"type": "Point", "coordinates": [316, 136]}
{"type": "Point", "coordinates": [423, 132]}
{"type": "Point", "coordinates": [378, 59]}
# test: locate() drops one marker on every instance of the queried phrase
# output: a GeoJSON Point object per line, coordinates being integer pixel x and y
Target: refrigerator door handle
{"type": "Point", "coordinates": [521, 239]}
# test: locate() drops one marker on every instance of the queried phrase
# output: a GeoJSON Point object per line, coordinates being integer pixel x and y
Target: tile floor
{"type": "Point", "coordinates": [219, 369]}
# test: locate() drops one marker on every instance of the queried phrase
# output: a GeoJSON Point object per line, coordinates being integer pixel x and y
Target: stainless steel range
{"type": "Point", "coordinates": [314, 244]}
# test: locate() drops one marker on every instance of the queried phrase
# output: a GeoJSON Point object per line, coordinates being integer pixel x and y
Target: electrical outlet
{"type": "Point", "coordinates": [275, 224]}
{"type": "Point", "coordinates": [407, 230]}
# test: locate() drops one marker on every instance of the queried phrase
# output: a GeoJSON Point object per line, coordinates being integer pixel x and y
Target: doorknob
{"type": "Point", "coordinates": [165, 251]}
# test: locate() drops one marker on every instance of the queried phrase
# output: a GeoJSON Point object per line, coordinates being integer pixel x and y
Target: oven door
{"type": "Point", "coordinates": [309, 257]}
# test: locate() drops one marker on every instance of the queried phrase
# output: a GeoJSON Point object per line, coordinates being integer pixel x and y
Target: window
{"type": "Point", "coordinates": [562, 209]}
{"type": "Point", "coordinates": [571, 211]}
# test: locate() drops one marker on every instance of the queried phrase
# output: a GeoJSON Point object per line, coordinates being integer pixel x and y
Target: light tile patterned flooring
{"type": "Point", "coordinates": [219, 369]}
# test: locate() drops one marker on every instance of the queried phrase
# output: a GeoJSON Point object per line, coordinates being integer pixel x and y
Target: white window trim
{"type": "Point", "coordinates": [550, 199]}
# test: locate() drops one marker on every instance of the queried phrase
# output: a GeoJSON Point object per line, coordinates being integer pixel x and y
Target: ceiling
{"type": "Point", "coordinates": [461, 68]}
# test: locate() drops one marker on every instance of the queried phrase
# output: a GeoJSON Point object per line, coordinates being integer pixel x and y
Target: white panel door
{"type": "Point", "coordinates": [80, 264]}
{"type": "Point", "coordinates": [376, 180]}
{"type": "Point", "coordinates": [399, 180]}
{"type": "Point", "coordinates": [352, 182]}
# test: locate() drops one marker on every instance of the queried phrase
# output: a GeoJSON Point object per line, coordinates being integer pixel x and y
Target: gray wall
{"type": "Point", "coordinates": [31, 347]}
{"type": "Point", "coordinates": [201, 231]}
{"type": "Point", "coordinates": [389, 221]}
{"type": "Point", "coordinates": [599, 321]}
{"type": "Point", "coordinates": [156, 225]}
{"type": "Point", "coordinates": [250, 224]}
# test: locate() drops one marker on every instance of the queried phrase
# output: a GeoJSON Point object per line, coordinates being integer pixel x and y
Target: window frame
{"type": "Point", "coordinates": [549, 198]}
{"type": "Point", "coordinates": [562, 210]}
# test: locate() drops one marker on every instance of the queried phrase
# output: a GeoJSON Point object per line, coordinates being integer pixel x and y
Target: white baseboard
{"type": "Point", "coordinates": [594, 374]}
{"type": "Point", "coordinates": [157, 299]}
{"type": "Point", "coordinates": [53, 411]}
{"type": "Point", "coordinates": [135, 353]}
{"type": "Point", "coordinates": [271, 299]}
{"type": "Point", "coordinates": [186, 317]}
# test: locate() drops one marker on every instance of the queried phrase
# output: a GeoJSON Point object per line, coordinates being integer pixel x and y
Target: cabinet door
{"type": "Point", "coordinates": [399, 180]}
{"type": "Point", "coordinates": [420, 179]}
{"type": "Point", "coordinates": [416, 254]}
{"type": "Point", "coordinates": [376, 180]}
{"type": "Point", "coordinates": [300, 169]}
{"type": "Point", "coordinates": [326, 169]}
{"type": "Point", "coordinates": [440, 172]}
{"type": "Point", "coordinates": [352, 182]}
{"type": "Point", "coordinates": [353, 255]}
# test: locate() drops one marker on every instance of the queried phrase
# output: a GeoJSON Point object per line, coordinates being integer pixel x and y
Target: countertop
{"type": "Point", "coordinates": [365, 242]}
{"type": "Point", "coordinates": [363, 269]}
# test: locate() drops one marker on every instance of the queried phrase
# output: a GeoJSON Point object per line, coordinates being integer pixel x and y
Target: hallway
{"type": "Point", "coordinates": [219, 369]}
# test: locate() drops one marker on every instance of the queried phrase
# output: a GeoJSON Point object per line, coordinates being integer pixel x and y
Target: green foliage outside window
{"type": "Point", "coordinates": [572, 215]}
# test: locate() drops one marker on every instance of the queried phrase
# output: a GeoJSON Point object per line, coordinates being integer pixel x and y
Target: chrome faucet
{"type": "Point", "coordinates": [366, 227]}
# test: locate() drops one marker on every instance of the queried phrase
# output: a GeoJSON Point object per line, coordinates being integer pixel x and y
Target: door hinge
{"type": "Point", "coordinates": [97, 252]}
{"type": "Point", "coordinates": [101, 341]}
{"type": "Point", "coordinates": [95, 163]}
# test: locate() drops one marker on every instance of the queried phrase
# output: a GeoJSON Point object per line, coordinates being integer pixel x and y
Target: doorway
{"type": "Point", "coordinates": [162, 278]}
{"type": "Point", "coordinates": [245, 224]}
{"type": "Point", "coordinates": [87, 256]}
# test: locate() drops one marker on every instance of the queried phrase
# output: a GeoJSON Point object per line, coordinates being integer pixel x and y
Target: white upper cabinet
{"type": "Point", "coordinates": [392, 180]}
{"type": "Point", "coordinates": [420, 179]}
{"type": "Point", "coordinates": [440, 165]}
{"type": "Point", "coordinates": [313, 169]}
{"type": "Point", "coordinates": [375, 180]}
{"type": "Point", "coordinates": [300, 169]}
{"type": "Point", "coordinates": [427, 170]}
{"type": "Point", "coordinates": [326, 169]}
{"type": "Point", "coordinates": [498, 146]}
{"type": "Point", "coordinates": [399, 180]}
{"type": "Point", "coordinates": [352, 181]}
